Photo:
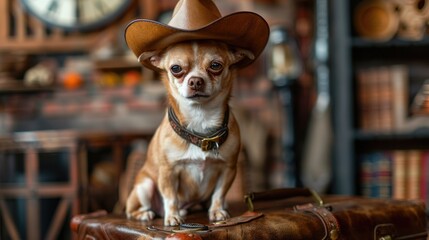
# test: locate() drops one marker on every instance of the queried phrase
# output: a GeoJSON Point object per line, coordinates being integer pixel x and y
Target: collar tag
{"type": "Point", "coordinates": [205, 142]}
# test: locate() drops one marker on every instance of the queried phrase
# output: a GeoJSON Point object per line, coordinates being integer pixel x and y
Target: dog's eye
{"type": "Point", "coordinates": [216, 66]}
{"type": "Point", "coordinates": [176, 69]}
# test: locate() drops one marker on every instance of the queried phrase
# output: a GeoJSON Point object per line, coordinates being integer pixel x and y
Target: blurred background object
{"type": "Point", "coordinates": [316, 169]}
{"type": "Point", "coordinates": [284, 68]}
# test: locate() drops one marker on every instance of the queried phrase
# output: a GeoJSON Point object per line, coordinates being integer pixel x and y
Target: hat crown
{"type": "Point", "coordinates": [194, 14]}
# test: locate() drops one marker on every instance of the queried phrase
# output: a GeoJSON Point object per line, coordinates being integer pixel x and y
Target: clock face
{"type": "Point", "coordinates": [76, 14]}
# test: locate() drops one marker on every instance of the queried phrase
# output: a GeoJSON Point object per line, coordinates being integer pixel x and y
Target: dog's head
{"type": "Point", "coordinates": [198, 71]}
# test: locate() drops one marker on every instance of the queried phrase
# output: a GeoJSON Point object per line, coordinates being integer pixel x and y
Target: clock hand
{"type": "Point", "coordinates": [101, 5]}
{"type": "Point", "coordinates": [79, 6]}
{"type": "Point", "coordinates": [53, 7]}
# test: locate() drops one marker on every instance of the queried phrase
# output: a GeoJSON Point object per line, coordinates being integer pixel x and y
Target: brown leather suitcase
{"type": "Point", "coordinates": [277, 214]}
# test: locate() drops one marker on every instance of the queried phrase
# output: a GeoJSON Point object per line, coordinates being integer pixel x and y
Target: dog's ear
{"type": "Point", "coordinates": [154, 58]}
{"type": "Point", "coordinates": [239, 54]}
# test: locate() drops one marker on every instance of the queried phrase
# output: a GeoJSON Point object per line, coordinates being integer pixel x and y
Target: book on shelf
{"type": "Point", "coordinates": [382, 97]}
{"type": "Point", "coordinates": [376, 175]}
{"type": "Point", "coordinates": [413, 176]}
{"type": "Point", "coordinates": [366, 170]}
{"type": "Point", "coordinates": [383, 176]}
{"type": "Point", "coordinates": [397, 174]}
{"type": "Point", "coordinates": [399, 166]}
{"type": "Point", "coordinates": [400, 83]}
{"type": "Point", "coordinates": [424, 178]}
{"type": "Point", "coordinates": [367, 98]}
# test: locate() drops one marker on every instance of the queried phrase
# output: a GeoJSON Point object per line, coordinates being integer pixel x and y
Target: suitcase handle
{"type": "Point", "coordinates": [281, 193]}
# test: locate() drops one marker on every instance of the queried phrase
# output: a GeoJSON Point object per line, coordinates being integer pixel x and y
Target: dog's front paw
{"type": "Point", "coordinates": [218, 215]}
{"type": "Point", "coordinates": [173, 220]}
{"type": "Point", "coordinates": [142, 215]}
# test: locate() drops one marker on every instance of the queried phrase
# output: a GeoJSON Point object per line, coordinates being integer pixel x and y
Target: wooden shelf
{"type": "Point", "coordinates": [377, 136]}
{"type": "Point", "coordinates": [396, 42]}
{"type": "Point", "coordinates": [120, 62]}
{"type": "Point", "coordinates": [19, 87]}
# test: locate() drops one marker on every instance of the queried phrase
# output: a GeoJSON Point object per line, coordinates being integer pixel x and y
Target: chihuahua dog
{"type": "Point", "coordinates": [193, 154]}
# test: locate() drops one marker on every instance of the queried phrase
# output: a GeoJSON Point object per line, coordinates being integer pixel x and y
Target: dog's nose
{"type": "Point", "coordinates": [196, 83]}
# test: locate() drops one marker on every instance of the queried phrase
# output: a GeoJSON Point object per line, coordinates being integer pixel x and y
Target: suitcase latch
{"type": "Point", "coordinates": [384, 232]}
{"type": "Point", "coordinates": [386, 238]}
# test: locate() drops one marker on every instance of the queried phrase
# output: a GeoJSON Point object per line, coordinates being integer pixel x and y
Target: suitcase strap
{"type": "Point", "coordinates": [200, 228]}
{"type": "Point", "coordinates": [244, 218]}
{"type": "Point", "coordinates": [318, 208]}
{"type": "Point", "coordinates": [330, 223]}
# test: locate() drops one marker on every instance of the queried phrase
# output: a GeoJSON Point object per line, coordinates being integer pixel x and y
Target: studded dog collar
{"type": "Point", "coordinates": [207, 142]}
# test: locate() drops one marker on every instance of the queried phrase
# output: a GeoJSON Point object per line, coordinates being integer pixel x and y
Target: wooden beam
{"type": "Point", "coordinates": [19, 17]}
{"type": "Point", "coordinates": [57, 220]}
{"type": "Point", "coordinates": [10, 226]}
{"type": "Point", "coordinates": [38, 29]}
{"type": "Point", "coordinates": [33, 206]}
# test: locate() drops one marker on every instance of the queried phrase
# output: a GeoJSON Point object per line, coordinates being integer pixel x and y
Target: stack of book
{"type": "Point", "coordinates": [382, 97]}
{"type": "Point", "coordinates": [398, 174]}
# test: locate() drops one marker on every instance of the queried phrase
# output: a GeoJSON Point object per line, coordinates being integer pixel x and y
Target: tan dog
{"type": "Point", "coordinates": [192, 156]}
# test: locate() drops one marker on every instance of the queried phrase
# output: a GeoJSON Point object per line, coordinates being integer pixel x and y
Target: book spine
{"type": "Point", "coordinates": [424, 178]}
{"type": "Point", "coordinates": [366, 174]}
{"type": "Point", "coordinates": [399, 76]}
{"type": "Point", "coordinates": [373, 103]}
{"type": "Point", "coordinates": [384, 175]}
{"type": "Point", "coordinates": [399, 174]}
{"type": "Point", "coordinates": [364, 98]}
{"type": "Point", "coordinates": [413, 176]}
{"type": "Point", "coordinates": [384, 100]}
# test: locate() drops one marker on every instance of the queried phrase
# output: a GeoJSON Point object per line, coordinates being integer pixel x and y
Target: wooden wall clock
{"type": "Point", "coordinates": [43, 26]}
{"type": "Point", "coordinates": [76, 15]}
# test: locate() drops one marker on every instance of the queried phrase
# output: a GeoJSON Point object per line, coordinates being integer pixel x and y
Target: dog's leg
{"type": "Point", "coordinates": [168, 189]}
{"type": "Point", "coordinates": [217, 210]}
{"type": "Point", "coordinates": [139, 202]}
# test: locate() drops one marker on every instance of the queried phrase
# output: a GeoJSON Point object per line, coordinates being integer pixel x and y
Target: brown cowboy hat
{"type": "Point", "coordinates": [198, 20]}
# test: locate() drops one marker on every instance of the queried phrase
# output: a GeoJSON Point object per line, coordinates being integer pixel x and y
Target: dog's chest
{"type": "Point", "coordinates": [194, 170]}
{"type": "Point", "coordinates": [195, 166]}
{"type": "Point", "coordinates": [195, 162]}
{"type": "Point", "coordinates": [198, 178]}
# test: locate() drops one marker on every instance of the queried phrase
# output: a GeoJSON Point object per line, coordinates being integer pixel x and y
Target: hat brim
{"type": "Point", "coordinates": [245, 30]}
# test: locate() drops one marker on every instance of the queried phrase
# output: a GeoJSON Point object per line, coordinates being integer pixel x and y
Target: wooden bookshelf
{"type": "Point", "coordinates": [357, 61]}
